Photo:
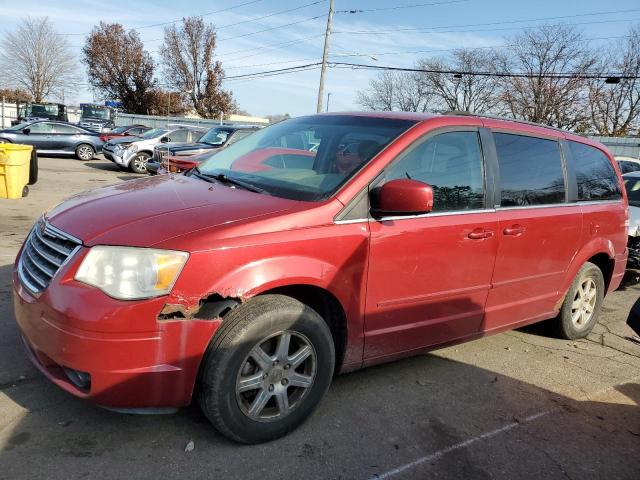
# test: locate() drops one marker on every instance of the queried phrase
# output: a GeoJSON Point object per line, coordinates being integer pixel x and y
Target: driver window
{"type": "Point", "coordinates": [179, 136]}
{"type": "Point", "coordinates": [41, 127]}
{"type": "Point", "coordinates": [452, 164]}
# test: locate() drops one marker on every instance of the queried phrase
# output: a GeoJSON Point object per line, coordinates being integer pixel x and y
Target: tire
{"type": "Point", "coordinates": [582, 304]}
{"type": "Point", "coordinates": [138, 164]}
{"type": "Point", "coordinates": [85, 152]}
{"type": "Point", "coordinates": [263, 324]}
{"type": "Point", "coordinates": [33, 168]}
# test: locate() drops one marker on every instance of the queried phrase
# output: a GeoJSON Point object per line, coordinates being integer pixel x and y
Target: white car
{"type": "Point", "coordinates": [627, 164]}
{"type": "Point", "coordinates": [134, 152]}
{"type": "Point", "coordinates": [632, 185]}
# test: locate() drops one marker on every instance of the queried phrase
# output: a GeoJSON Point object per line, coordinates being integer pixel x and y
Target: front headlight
{"type": "Point", "coordinates": [132, 147]}
{"type": "Point", "coordinates": [129, 273]}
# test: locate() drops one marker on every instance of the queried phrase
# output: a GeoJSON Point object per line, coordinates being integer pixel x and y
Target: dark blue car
{"type": "Point", "coordinates": [49, 137]}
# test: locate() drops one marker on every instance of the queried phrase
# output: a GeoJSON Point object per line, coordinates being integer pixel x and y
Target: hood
{"type": "Point", "coordinates": [193, 146]}
{"type": "Point", "coordinates": [126, 139]}
{"type": "Point", "coordinates": [151, 210]}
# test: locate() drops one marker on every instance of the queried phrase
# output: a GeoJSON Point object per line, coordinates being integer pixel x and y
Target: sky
{"type": "Point", "coordinates": [388, 33]}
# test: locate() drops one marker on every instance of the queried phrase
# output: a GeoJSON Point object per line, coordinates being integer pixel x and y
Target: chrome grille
{"type": "Point", "coordinates": [45, 250]}
{"type": "Point", "coordinates": [159, 154]}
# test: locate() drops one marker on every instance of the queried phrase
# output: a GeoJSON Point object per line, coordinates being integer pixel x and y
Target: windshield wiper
{"type": "Point", "coordinates": [221, 177]}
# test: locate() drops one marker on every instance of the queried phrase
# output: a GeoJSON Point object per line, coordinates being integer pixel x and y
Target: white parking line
{"type": "Point", "coordinates": [457, 446]}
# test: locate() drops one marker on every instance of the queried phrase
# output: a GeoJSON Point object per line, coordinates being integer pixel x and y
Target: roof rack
{"type": "Point", "coordinates": [464, 113]}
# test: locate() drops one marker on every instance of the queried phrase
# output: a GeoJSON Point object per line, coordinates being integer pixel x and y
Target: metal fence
{"type": "Point", "coordinates": [153, 121]}
{"type": "Point", "coordinates": [621, 146]}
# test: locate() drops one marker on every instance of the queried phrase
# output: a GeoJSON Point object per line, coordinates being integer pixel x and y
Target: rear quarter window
{"type": "Point", "coordinates": [596, 178]}
{"type": "Point", "coordinates": [531, 170]}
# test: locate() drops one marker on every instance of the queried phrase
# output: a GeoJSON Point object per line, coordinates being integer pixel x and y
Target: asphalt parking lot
{"type": "Point", "coordinates": [516, 405]}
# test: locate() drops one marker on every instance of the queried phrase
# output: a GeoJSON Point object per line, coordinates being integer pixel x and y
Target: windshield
{"type": "Point", "coordinates": [96, 112]}
{"type": "Point", "coordinates": [36, 109]}
{"type": "Point", "coordinates": [632, 185]}
{"type": "Point", "coordinates": [215, 136]}
{"type": "Point", "coordinates": [306, 158]}
{"type": "Point", "coordinates": [154, 133]}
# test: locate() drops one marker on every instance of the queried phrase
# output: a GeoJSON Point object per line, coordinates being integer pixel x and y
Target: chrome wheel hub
{"type": "Point", "coordinates": [85, 153]}
{"type": "Point", "coordinates": [276, 376]}
{"type": "Point", "coordinates": [140, 163]}
{"type": "Point", "coordinates": [584, 303]}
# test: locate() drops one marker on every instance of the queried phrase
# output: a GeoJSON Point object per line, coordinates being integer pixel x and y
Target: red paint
{"type": "Point", "coordinates": [405, 284]}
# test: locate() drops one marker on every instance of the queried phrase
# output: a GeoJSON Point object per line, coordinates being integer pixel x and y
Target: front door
{"type": "Point", "coordinates": [539, 231]}
{"type": "Point", "coordinates": [429, 275]}
{"type": "Point", "coordinates": [40, 136]}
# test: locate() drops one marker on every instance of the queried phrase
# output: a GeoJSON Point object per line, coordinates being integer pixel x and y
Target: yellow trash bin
{"type": "Point", "coordinates": [14, 169]}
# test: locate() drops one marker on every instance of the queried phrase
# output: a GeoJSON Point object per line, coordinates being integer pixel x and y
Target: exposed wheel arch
{"type": "Point", "coordinates": [327, 306]}
{"type": "Point", "coordinates": [606, 265]}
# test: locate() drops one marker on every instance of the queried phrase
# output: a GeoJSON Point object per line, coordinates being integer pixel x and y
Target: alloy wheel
{"type": "Point", "coordinates": [85, 152]}
{"type": "Point", "coordinates": [140, 163]}
{"type": "Point", "coordinates": [276, 376]}
{"type": "Point", "coordinates": [584, 303]}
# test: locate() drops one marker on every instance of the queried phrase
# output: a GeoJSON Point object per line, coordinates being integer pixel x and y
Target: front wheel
{"type": "Point", "coordinates": [581, 307]}
{"type": "Point", "coordinates": [138, 163]}
{"type": "Point", "coordinates": [266, 369]}
{"type": "Point", "coordinates": [85, 152]}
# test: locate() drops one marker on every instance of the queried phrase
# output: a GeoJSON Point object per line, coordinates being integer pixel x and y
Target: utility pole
{"type": "Point", "coordinates": [325, 55]}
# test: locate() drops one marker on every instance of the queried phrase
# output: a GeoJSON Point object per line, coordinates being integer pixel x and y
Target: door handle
{"type": "Point", "coordinates": [479, 234]}
{"type": "Point", "coordinates": [514, 230]}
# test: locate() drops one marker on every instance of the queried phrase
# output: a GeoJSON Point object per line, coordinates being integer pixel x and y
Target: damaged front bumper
{"type": "Point", "coordinates": [118, 354]}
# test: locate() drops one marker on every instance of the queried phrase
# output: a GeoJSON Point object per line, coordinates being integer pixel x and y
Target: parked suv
{"type": "Point", "coordinates": [135, 152]}
{"type": "Point", "coordinates": [214, 139]}
{"type": "Point", "coordinates": [251, 287]}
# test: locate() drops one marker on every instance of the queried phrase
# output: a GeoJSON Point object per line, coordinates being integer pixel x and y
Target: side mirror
{"type": "Point", "coordinates": [26, 130]}
{"type": "Point", "coordinates": [165, 140]}
{"type": "Point", "coordinates": [402, 196]}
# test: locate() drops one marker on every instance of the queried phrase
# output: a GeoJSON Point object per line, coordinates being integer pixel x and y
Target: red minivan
{"type": "Point", "coordinates": [373, 236]}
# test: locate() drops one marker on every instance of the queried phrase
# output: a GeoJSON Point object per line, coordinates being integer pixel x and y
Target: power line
{"type": "Point", "coordinates": [272, 28]}
{"type": "Point", "coordinates": [268, 47]}
{"type": "Point", "coordinates": [505, 22]}
{"type": "Point", "coordinates": [400, 7]}
{"type": "Point", "coordinates": [568, 75]}
{"type": "Point", "coordinates": [255, 19]}
{"type": "Point", "coordinates": [180, 19]}
{"type": "Point", "coordinates": [354, 54]}
{"type": "Point", "coordinates": [279, 70]}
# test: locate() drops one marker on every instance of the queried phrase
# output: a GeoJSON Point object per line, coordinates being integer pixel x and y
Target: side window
{"type": "Point", "coordinates": [530, 170]}
{"type": "Point", "coordinates": [42, 127]}
{"type": "Point", "coordinates": [59, 128]}
{"type": "Point", "coordinates": [452, 164]}
{"type": "Point", "coordinates": [179, 135]}
{"type": "Point", "coordinates": [239, 134]}
{"type": "Point", "coordinates": [596, 177]}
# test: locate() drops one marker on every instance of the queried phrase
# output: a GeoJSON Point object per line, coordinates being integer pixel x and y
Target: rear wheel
{"type": "Point", "coordinates": [138, 163]}
{"type": "Point", "coordinates": [85, 152]}
{"type": "Point", "coordinates": [266, 369]}
{"type": "Point", "coordinates": [581, 307]}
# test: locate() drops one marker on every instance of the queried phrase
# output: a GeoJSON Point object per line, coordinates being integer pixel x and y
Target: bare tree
{"type": "Point", "coordinates": [36, 58]}
{"type": "Point", "coordinates": [542, 54]}
{"type": "Point", "coordinates": [615, 107]}
{"type": "Point", "coordinates": [187, 57]}
{"type": "Point", "coordinates": [402, 91]}
{"type": "Point", "coordinates": [118, 67]}
{"type": "Point", "coordinates": [461, 91]}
